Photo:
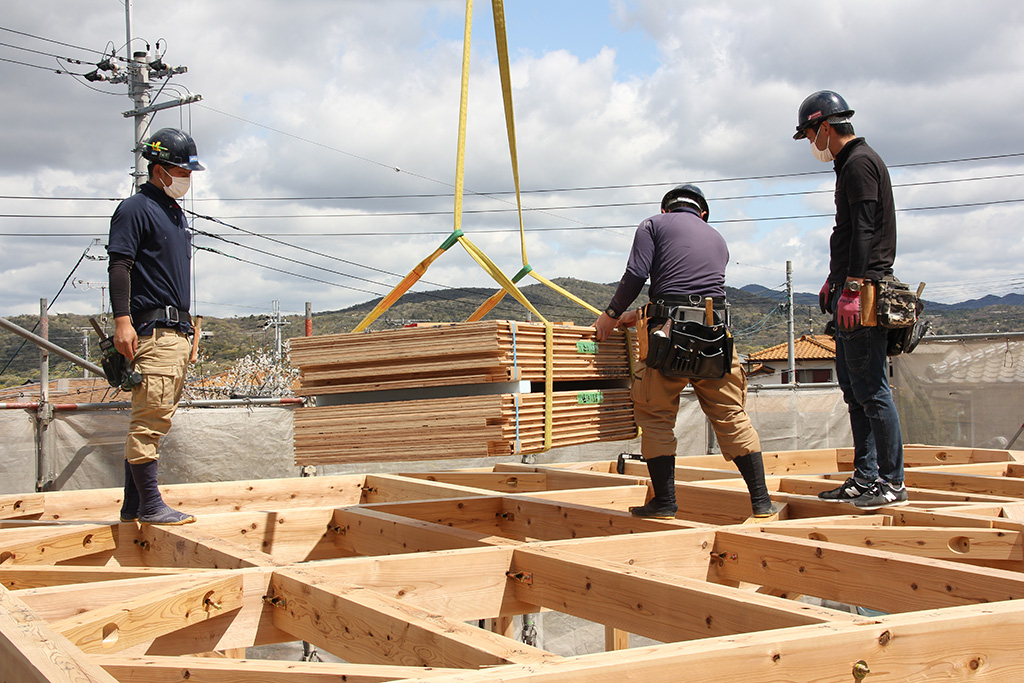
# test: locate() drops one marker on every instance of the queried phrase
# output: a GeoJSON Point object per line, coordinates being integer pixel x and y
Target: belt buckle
{"type": "Point", "coordinates": [172, 314]}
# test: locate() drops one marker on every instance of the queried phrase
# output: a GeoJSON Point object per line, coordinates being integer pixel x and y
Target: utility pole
{"type": "Point", "coordinates": [790, 336]}
{"type": "Point", "coordinates": [277, 323]}
{"type": "Point", "coordinates": [141, 70]}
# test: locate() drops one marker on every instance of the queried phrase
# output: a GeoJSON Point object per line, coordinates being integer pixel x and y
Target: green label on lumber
{"type": "Point", "coordinates": [586, 346]}
{"type": "Point", "coordinates": [589, 397]}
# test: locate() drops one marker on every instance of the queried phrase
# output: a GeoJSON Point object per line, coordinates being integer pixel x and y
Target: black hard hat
{"type": "Point", "coordinates": [817, 107]}
{"type": "Point", "coordinates": [174, 147]}
{"type": "Point", "coordinates": [683, 192]}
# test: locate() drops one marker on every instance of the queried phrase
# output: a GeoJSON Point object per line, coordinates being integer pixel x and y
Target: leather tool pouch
{"type": "Point", "coordinates": [682, 348]}
{"type": "Point", "coordinates": [897, 306]}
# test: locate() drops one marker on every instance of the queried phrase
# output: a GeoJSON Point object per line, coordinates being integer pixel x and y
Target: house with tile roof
{"type": "Point", "coordinates": [815, 360]}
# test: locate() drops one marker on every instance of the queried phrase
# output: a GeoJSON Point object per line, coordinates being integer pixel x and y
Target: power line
{"type": "Point", "coordinates": [55, 42]}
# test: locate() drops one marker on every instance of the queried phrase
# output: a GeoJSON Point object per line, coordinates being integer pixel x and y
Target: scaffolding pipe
{"type": "Point", "coordinates": [123, 405]}
{"type": "Point", "coordinates": [51, 347]}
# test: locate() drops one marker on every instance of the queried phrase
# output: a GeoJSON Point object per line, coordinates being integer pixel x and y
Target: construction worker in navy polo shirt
{"type": "Point", "coordinates": [150, 250]}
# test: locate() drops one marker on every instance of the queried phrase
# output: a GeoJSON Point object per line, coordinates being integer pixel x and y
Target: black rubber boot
{"type": "Point", "coordinates": [130, 504]}
{"type": "Point", "coordinates": [663, 479]}
{"type": "Point", "coordinates": [152, 509]}
{"type": "Point", "coordinates": [751, 466]}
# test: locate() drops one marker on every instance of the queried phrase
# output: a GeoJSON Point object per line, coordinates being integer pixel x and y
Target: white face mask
{"type": "Point", "coordinates": [178, 187]}
{"type": "Point", "coordinates": [823, 155]}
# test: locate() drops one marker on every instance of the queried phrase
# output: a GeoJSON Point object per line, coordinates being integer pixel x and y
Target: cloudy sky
{"type": "Point", "coordinates": [329, 130]}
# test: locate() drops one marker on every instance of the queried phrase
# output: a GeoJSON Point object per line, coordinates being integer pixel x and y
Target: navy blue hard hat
{"type": "Point", "coordinates": [173, 147]}
{"type": "Point", "coordinates": [688, 194]}
{"type": "Point", "coordinates": [817, 107]}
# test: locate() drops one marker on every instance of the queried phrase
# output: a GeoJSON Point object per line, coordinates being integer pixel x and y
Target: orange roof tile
{"type": "Point", "coordinates": [807, 347]}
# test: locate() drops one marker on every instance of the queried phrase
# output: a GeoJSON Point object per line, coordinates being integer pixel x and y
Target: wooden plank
{"type": "Point", "coordinates": [869, 578]}
{"type": "Point", "coordinates": [656, 605]}
{"type": "Point", "coordinates": [936, 542]}
{"type": "Point", "coordinates": [145, 617]}
{"type": "Point", "coordinates": [364, 626]}
{"type": "Point", "coordinates": [32, 652]}
{"type": "Point", "coordinates": [288, 535]}
{"type": "Point", "coordinates": [204, 670]}
{"type": "Point", "coordinates": [53, 544]}
{"type": "Point", "coordinates": [188, 547]}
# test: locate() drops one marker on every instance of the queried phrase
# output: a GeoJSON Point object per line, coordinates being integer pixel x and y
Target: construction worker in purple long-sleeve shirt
{"type": "Point", "coordinates": [685, 259]}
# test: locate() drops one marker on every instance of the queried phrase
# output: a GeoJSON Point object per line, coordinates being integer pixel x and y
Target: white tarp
{"type": "Point", "coordinates": [85, 449]}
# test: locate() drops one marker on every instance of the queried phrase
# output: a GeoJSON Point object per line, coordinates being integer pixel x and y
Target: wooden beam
{"type": "Point", "coordinates": [943, 543]}
{"type": "Point", "coordinates": [21, 505]}
{"type": "Point", "coordinates": [656, 605]}
{"type": "Point", "coordinates": [289, 535]}
{"type": "Point", "coordinates": [365, 531]}
{"type": "Point", "coordinates": [204, 670]}
{"type": "Point", "coordinates": [869, 578]}
{"type": "Point", "coordinates": [214, 497]}
{"type": "Point", "coordinates": [364, 626]}
{"type": "Point", "coordinates": [185, 546]}
{"type": "Point", "coordinates": [478, 514]}
{"type": "Point", "coordinates": [394, 488]}
{"type": "Point", "coordinates": [503, 482]}
{"type": "Point", "coordinates": [39, 576]}
{"type": "Point", "coordinates": [143, 618]}
{"type": "Point", "coordinates": [966, 483]}
{"type": "Point", "coordinates": [963, 643]}
{"type": "Point", "coordinates": [32, 652]}
{"type": "Point", "coordinates": [682, 552]}
{"type": "Point", "coordinates": [467, 584]}
{"type": "Point", "coordinates": [619, 498]}
{"type": "Point", "coordinates": [54, 544]}
{"type": "Point", "coordinates": [525, 518]}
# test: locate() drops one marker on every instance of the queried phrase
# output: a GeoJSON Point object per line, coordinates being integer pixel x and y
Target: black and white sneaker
{"type": "Point", "coordinates": [881, 495]}
{"type": "Point", "coordinates": [850, 489]}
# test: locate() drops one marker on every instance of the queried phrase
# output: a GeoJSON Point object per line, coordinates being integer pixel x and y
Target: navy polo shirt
{"type": "Point", "coordinates": [150, 228]}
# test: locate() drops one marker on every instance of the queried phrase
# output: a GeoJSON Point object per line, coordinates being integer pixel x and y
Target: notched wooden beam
{"type": "Point", "coordinates": [147, 616]}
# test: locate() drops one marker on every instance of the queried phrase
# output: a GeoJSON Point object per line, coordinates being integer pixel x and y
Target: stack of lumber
{"type": "Point", "coordinates": [470, 358]}
{"type": "Point", "coordinates": [466, 427]}
{"type": "Point", "coordinates": [449, 355]}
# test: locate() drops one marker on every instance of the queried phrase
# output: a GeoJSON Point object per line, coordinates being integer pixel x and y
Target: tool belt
{"type": "Point", "coordinates": [678, 342]}
{"type": "Point", "coordinates": [896, 305]}
{"type": "Point", "coordinates": [169, 313]}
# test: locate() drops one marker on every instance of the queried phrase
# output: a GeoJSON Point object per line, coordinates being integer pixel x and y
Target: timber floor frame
{"type": "Point", "coordinates": [393, 573]}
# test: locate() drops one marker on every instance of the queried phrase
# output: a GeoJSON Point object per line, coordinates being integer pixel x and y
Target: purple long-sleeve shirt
{"type": "Point", "coordinates": [680, 253]}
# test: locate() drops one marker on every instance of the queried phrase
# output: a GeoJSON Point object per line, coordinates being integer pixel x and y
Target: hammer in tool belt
{"type": "Point", "coordinates": [197, 324]}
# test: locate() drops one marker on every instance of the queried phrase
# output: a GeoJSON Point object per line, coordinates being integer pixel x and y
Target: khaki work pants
{"type": "Point", "coordinates": [656, 403]}
{"type": "Point", "coordinates": [162, 359]}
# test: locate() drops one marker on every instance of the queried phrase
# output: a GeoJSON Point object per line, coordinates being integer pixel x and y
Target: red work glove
{"type": "Point", "coordinates": [823, 297]}
{"type": "Point", "coordinates": [848, 310]}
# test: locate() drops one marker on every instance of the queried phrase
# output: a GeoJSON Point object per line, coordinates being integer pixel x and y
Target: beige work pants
{"type": "Point", "coordinates": [656, 403]}
{"type": "Point", "coordinates": [162, 359]}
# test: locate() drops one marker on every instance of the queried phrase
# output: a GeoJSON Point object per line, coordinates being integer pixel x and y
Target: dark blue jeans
{"type": "Point", "coordinates": [862, 371]}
